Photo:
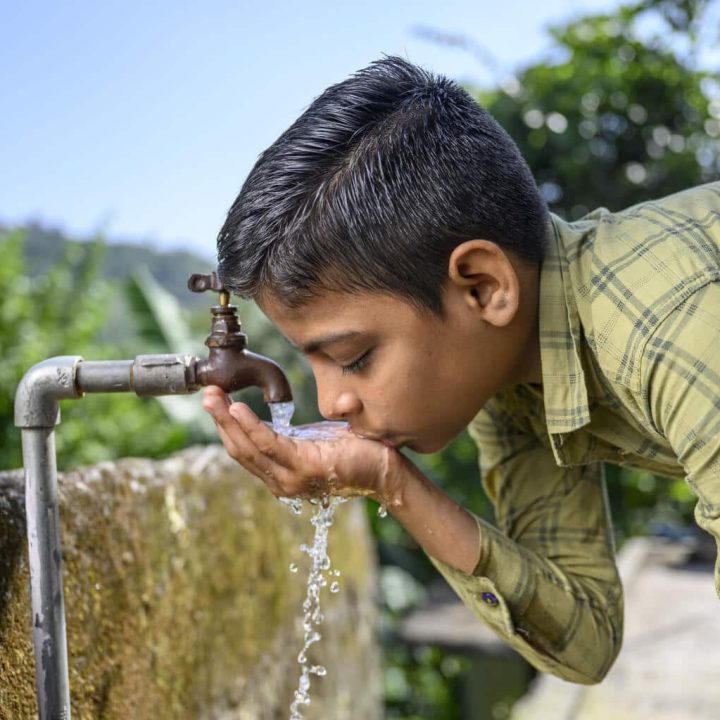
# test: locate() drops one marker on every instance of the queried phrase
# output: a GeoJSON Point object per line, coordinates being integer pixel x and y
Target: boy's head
{"type": "Point", "coordinates": [373, 187]}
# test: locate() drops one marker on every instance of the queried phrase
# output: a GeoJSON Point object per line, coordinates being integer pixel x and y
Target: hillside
{"type": "Point", "coordinates": [44, 247]}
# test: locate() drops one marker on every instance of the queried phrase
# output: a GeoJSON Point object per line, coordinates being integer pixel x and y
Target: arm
{"type": "Point", "coordinates": [550, 562]}
{"type": "Point", "coordinates": [680, 394]}
{"type": "Point", "coordinates": [348, 465]}
{"type": "Point", "coordinates": [549, 587]}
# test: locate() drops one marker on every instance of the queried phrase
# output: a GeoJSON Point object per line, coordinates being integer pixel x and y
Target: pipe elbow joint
{"type": "Point", "coordinates": [37, 395]}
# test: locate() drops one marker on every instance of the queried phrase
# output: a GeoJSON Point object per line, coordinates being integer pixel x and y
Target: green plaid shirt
{"type": "Point", "coordinates": [630, 349]}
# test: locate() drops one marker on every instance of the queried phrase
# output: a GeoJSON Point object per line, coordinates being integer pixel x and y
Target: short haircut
{"type": "Point", "coordinates": [373, 187]}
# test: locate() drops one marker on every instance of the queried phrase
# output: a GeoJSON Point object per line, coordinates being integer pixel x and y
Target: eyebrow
{"type": "Point", "coordinates": [321, 342]}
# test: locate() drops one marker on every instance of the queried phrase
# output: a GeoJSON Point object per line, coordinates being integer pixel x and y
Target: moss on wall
{"type": "Point", "coordinates": [178, 597]}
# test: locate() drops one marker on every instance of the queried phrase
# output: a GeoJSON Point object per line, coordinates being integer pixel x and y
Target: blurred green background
{"type": "Point", "coordinates": [610, 121]}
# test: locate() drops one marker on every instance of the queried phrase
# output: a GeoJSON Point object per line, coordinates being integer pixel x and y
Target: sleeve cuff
{"type": "Point", "coordinates": [500, 602]}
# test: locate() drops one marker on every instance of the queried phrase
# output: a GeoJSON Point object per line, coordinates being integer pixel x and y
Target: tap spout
{"type": "Point", "coordinates": [230, 365]}
{"type": "Point", "coordinates": [235, 368]}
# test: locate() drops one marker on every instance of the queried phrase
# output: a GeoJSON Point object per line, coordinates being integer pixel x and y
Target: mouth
{"type": "Point", "coordinates": [384, 439]}
{"type": "Point", "coordinates": [389, 443]}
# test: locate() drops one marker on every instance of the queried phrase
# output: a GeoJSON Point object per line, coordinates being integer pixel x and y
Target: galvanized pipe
{"type": "Point", "coordinates": [46, 580]}
{"type": "Point", "coordinates": [37, 412]}
{"type": "Point", "coordinates": [104, 376]}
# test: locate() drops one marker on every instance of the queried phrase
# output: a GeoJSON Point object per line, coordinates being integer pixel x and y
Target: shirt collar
{"type": "Point", "coordinates": [564, 389]}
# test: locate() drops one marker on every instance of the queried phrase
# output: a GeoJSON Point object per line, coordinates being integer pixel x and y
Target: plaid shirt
{"type": "Point", "coordinates": [630, 349]}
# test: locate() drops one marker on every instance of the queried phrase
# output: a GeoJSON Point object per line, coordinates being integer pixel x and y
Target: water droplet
{"type": "Point", "coordinates": [335, 587]}
{"type": "Point", "coordinates": [294, 567]}
{"type": "Point", "coordinates": [382, 511]}
{"type": "Point", "coordinates": [318, 670]}
{"type": "Point", "coordinates": [335, 573]}
{"type": "Point", "coordinates": [295, 504]}
{"type": "Point", "coordinates": [302, 657]}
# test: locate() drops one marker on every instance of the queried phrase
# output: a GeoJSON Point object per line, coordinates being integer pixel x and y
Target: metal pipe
{"type": "Point", "coordinates": [105, 376]}
{"type": "Point", "coordinates": [46, 580]}
{"type": "Point", "coordinates": [37, 411]}
{"type": "Point", "coordinates": [147, 375]}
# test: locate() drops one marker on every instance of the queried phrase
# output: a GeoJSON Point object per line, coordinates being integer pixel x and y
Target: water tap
{"type": "Point", "coordinates": [230, 365]}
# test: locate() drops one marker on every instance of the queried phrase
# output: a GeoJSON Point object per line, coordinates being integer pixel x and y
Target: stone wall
{"type": "Point", "coordinates": [179, 601]}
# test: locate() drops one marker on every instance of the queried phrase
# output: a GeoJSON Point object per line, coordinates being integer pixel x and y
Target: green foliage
{"type": "Point", "coordinates": [422, 683]}
{"type": "Point", "coordinates": [617, 120]}
{"type": "Point", "coordinates": [60, 313]}
{"type": "Point", "coordinates": [642, 503]}
{"type": "Point", "coordinates": [162, 327]}
{"type": "Point", "coordinates": [157, 314]}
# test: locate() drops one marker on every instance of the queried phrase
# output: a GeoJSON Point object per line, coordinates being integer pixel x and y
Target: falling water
{"type": "Point", "coordinates": [320, 565]}
{"type": "Point", "coordinates": [281, 414]}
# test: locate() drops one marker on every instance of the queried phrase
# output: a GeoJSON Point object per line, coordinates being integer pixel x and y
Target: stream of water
{"type": "Point", "coordinates": [320, 566]}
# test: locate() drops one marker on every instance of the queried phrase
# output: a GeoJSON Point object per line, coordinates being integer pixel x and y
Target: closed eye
{"type": "Point", "coordinates": [357, 365]}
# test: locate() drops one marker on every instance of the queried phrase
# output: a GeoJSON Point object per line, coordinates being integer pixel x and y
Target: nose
{"type": "Point", "coordinates": [337, 403]}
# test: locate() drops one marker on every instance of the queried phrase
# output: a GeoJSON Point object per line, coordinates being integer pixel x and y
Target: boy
{"type": "Point", "coordinates": [395, 235]}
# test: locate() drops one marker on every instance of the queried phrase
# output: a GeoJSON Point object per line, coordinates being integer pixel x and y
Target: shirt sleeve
{"type": "Point", "coordinates": [546, 581]}
{"type": "Point", "coordinates": [680, 391]}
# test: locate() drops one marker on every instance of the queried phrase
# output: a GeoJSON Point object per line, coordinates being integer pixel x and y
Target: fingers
{"type": "Point", "coordinates": [214, 394]}
{"type": "Point", "coordinates": [238, 445]}
{"type": "Point", "coordinates": [275, 447]}
{"type": "Point", "coordinates": [286, 467]}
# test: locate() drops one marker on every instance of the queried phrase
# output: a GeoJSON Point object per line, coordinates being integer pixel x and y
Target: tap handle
{"type": "Point", "coordinates": [200, 283]}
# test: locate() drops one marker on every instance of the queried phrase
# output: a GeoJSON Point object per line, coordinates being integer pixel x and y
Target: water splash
{"type": "Point", "coordinates": [281, 414]}
{"type": "Point", "coordinates": [320, 566]}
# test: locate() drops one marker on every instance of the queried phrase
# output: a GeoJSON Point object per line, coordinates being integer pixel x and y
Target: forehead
{"type": "Point", "coordinates": [334, 312]}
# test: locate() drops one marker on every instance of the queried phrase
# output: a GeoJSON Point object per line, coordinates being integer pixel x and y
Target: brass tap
{"type": "Point", "coordinates": [230, 365]}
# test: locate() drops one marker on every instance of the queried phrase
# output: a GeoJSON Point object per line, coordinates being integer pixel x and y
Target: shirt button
{"type": "Point", "coordinates": [489, 599]}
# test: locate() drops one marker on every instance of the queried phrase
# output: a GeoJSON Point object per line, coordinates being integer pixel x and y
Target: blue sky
{"type": "Point", "coordinates": [141, 120]}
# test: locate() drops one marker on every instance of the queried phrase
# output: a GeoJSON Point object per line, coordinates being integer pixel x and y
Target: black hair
{"type": "Point", "coordinates": [372, 188]}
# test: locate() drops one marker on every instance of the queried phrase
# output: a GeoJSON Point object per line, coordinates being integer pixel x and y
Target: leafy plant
{"type": "Point", "coordinates": [60, 313]}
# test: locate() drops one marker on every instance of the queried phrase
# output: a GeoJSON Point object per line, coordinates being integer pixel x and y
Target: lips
{"type": "Point", "coordinates": [384, 439]}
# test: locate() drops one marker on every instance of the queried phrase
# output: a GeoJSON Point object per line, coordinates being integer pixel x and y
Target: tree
{"type": "Point", "coordinates": [619, 119]}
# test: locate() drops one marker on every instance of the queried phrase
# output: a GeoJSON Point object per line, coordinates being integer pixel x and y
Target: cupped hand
{"type": "Point", "coordinates": [345, 464]}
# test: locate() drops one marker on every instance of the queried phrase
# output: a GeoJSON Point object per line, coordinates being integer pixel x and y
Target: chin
{"type": "Point", "coordinates": [427, 447]}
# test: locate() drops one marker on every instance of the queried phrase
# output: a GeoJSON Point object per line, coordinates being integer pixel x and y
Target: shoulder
{"type": "Point", "coordinates": [636, 266]}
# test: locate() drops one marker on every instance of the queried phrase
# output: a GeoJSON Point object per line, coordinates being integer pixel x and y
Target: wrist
{"type": "Point", "coordinates": [395, 478]}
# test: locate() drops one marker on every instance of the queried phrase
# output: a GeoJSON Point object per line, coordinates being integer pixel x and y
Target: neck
{"type": "Point", "coordinates": [530, 370]}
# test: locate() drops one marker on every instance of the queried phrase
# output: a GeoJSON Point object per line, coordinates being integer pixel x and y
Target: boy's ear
{"type": "Point", "coordinates": [486, 279]}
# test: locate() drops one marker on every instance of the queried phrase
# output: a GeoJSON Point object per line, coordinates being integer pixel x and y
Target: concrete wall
{"type": "Point", "coordinates": [179, 600]}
